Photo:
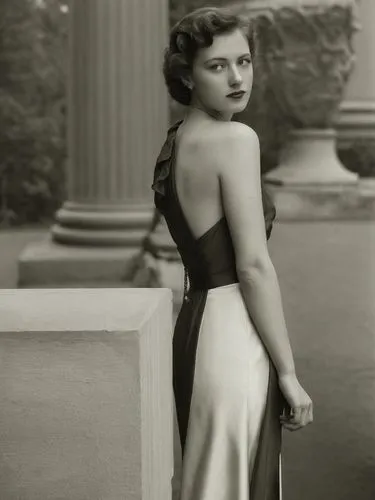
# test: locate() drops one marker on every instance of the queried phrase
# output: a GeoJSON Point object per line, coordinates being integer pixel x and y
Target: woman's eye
{"type": "Point", "coordinates": [217, 67]}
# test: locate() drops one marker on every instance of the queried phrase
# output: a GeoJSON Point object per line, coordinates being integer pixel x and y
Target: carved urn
{"type": "Point", "coordinates": [305, 57]}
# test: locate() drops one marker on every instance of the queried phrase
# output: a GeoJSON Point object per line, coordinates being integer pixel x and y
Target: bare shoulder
{"type": "Point", "coordinates": [233, 133]}
{"type": "Point", "coordinates": [237, 145]}
{"type": "Point", "coordinates": [237, 131]}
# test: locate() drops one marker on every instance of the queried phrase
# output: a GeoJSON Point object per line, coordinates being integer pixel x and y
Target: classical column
{"type": "Point", "coordinates": [118, 116]}
{"type": "Point", "coordinates": [356, 119]}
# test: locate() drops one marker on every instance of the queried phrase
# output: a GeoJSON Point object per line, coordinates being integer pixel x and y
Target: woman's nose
{"type": "Point", "coordinates": [235, 76]}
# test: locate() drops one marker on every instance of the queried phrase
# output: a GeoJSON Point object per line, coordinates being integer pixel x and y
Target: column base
{"type": "Point", "coordinates": [46, 263]}
{"type": "Point", "coordinates": [310, 158]}
{"type": "Point", "coordinates": [102, 225]}
{"type": "Point", "coordinates": [329, 202]}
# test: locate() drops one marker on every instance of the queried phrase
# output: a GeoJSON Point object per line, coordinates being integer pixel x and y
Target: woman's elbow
{"type": "Point", "coordinates": [260, 267]}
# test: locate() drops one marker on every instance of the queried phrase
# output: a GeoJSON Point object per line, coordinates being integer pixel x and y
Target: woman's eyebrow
{"type": "Point", "coordinates": [247, 54]}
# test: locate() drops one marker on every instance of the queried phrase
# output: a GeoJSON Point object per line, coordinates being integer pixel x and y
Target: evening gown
{"type": "Point", "coordinates": [226, 392]}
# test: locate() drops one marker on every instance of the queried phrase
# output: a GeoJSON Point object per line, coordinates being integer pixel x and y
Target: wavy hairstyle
{"type": "Point", "coordinates": [195, 31]}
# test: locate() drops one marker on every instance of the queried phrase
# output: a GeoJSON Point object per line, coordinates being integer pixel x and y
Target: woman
{"type": "Point", "coordinates": [233, 369]}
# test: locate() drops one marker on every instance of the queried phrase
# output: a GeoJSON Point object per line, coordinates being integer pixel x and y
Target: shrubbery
{"type": "Point", "coordinates": [32, 104]}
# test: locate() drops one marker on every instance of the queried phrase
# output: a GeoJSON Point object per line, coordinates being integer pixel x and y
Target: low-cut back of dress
{"type": "Point", "coordinates": [203, 339]}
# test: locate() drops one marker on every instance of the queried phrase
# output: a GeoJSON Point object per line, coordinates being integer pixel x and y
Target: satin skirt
{"type": "Point", "coordinates": [228, 401]}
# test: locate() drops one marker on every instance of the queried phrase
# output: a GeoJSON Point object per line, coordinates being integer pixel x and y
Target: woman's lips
{"type": "Point", "coordinates": [236, 95]}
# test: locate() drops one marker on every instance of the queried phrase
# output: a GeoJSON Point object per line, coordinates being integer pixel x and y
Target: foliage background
{"type": "Point", "coordinates": [32, 109]}
{"type": "Point", "coordinates": [33, 66]}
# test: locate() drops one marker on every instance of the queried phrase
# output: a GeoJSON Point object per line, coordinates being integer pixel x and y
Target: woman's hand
{"type": "Point", "coordinates": [301, 406]}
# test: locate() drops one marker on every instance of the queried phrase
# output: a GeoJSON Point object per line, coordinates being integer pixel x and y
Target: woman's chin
{"type": "Point", "coordinates": [238, 107]}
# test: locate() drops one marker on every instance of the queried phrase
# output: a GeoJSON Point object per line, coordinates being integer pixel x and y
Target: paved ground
{"type": "Point", "coordinates": [327, 277]}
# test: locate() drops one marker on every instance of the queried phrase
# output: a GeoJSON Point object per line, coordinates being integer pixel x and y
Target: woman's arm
{"type": "Point", "coordinates": [239, 176]}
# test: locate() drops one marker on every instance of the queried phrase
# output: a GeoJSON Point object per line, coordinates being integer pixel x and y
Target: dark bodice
{"type": "Point", "coordinates": [210, 259]}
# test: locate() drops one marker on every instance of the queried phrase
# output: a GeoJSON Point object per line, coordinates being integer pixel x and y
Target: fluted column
{"type": "Point", "coordinates": [356, 119]}
{"type": "Point", "coordinates": [118, 115]}
{"type": "Point", "coordinates": [117, 119]}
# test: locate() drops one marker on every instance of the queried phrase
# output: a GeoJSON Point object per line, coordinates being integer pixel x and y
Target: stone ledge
{"type": "Point", "coordinates": [79, 309]}
{"type": "Point", "coordinates": [329, 202]}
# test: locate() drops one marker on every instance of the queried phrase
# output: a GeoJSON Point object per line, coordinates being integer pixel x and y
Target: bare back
{"type": "Point", "coordinates": [197, 179]}
{"type": "Point", "coordinates": [217, 167]}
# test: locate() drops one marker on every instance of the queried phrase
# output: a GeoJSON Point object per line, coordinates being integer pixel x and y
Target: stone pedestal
{"type": "Point", "coordinates": [325, 202]}
{"type": "Point", "coordinates": [310, 157]}
{"type": "Point", "coordinates": [86, 405]}
{"type": "Point", "coordinates": [117, 119]}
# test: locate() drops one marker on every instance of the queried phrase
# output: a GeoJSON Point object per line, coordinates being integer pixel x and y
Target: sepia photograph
{"type": "Point", "coordinates": [187, 250]}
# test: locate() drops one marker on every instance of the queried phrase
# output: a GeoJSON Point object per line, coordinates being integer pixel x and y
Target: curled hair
{"type": "Point", "coordinates": [195, 31]}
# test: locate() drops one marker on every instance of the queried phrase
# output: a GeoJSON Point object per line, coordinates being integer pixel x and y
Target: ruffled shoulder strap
{"type": "Point", "coordinates": [163, 162]}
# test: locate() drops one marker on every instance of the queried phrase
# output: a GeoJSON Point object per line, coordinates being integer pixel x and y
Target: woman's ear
{"type": "Point", "coordinates": [187, 82]}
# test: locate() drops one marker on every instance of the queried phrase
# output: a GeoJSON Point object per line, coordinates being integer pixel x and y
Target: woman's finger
{"type": "Point", "coordinates": [288, 424]}
{"type": "Point", "coordinates": [291, 427]}
{"type": "Point", "coordinates": [305, 416]}
{"type": "Point", "coordinates": [298, 418]}
{"type": "Point", "coordinates": [296, 415]}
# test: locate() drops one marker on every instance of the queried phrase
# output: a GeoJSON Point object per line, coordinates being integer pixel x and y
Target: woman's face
{"type": "Point", "coordinates": [221, 69]}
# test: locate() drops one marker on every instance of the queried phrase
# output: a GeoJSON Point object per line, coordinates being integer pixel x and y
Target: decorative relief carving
{"type": "Point", "coordinates": [306, 57]}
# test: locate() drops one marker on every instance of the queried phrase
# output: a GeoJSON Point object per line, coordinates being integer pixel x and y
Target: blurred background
{"type": "Point", "coordinates": [83, 114]}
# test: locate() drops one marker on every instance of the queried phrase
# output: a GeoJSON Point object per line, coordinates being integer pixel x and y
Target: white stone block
{"type": "Point", "coordinates": [86, 394]}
